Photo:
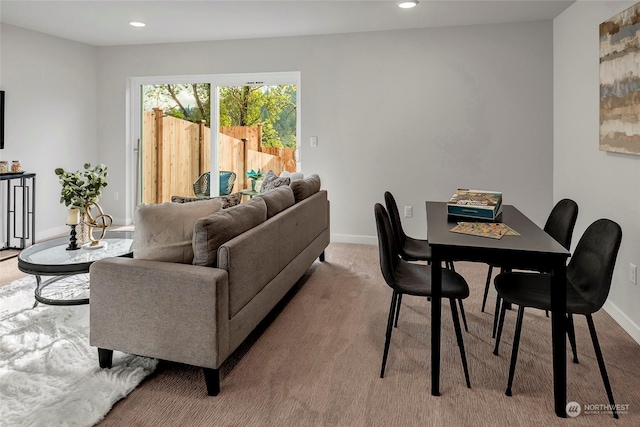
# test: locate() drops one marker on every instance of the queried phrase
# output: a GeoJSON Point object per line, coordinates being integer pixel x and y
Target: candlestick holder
{"type": "Point", "coordinates": [72, 240]}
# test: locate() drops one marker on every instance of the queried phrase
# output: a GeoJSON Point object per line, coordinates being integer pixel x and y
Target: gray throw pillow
{"type": "Point", "coordinates": [227, 201]}
{"type": "Point", "coordinates": [278, 200]}
{"type": "Point", "coordinates": [304, 188]}
{"type": "Point", "coordinates": [165, 232]}
{"type": "Point", "coordinates": [271, 181]}
{"type": "Point", "coordinates": [295, 176]}
{"type": "Point", "coordinates": [210, 232]}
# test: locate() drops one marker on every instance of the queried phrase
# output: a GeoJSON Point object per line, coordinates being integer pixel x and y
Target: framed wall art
{"type": "Point", "coordinates": [620, 82]}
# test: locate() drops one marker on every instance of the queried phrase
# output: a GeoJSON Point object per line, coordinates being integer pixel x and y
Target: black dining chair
{"type": "Point", "coordinates": [559, 225]}
{"type": "Point", "coordinates": [414, 279]}
{"type": "Point", "coordinates": [589, 276]}
{"type": "Point", "coordinates": [412, 249]}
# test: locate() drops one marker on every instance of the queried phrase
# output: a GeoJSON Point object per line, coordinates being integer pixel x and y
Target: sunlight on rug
{"type": "Point", "coordinates": [49, 374]}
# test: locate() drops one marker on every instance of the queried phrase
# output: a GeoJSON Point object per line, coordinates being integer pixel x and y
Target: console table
{"type": "Point", "coordinates": [21, 205]}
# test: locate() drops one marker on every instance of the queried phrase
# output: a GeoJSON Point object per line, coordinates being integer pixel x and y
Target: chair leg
{"type": "Point", "coordinates": [496, 315]}
{"type": "Point", "coordinates": [603, 369]}
{"type": "Point", "coordinates": [503, 311]}
{"type": "Point", "coordinates": [464, 316]}
{"type": "Point", "coordinates": [398, 304]}
{"type": "Point", "coordinates": [514, 350]}
{"type": "Point", "coordinates": [387, 341]}
{"type": "Point", "coordinates": [456, 325]}
{"type": "Point", "coordinates": [486, 288]}
{"type": "Point", "coordinates": [571, 332]}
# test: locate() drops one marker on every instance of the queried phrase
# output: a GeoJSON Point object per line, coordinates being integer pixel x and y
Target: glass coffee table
{"type": "Point", "coordinates": [69, 270]}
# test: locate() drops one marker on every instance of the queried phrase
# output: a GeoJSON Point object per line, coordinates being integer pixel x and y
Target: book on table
{"type": "Point", "coordinates": [478, 204]}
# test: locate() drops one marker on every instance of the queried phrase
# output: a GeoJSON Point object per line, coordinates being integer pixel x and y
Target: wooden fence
{"type": "Point", "coordinates": [176, 152]}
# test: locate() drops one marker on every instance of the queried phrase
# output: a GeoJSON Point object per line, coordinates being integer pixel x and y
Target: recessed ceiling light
{"type": "Point", "coordinates": [408, 4]}
{"type": "Point", "coordinates": [137, 24]}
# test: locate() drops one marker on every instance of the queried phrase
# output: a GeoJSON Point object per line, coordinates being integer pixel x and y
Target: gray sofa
{"type": "Point", "coordinates": [199, 313]}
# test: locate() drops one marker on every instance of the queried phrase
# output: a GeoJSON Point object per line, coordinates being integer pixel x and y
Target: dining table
{"type": "Point", "coordinates": [530, 248]}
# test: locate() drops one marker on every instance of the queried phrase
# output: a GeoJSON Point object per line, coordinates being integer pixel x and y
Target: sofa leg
{"type": "Point", "coordinates": [322, 257]}
{"type": "Point", "coordinates": [212, 379]}
{"type": "Point", "coordinates": [105, 358]}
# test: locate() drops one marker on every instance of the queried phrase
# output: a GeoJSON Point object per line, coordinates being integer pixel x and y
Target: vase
{"type": "Point", "coordinates": [253, 185]}
{"type": "Point", "coordinates": [82, 235]}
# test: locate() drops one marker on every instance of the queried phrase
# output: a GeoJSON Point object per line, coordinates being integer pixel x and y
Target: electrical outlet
{"type": "Point", "coordinates": [633, 270]}
{"type": "Point", "coordinates": [408, 211]}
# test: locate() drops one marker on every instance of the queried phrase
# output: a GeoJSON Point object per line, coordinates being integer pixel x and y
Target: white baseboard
{"type": "Point", "coordinates": [623, 320]}
{"type": "Point", "coordinates": [348, 238]}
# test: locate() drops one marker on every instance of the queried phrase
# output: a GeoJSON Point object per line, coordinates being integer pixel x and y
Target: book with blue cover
{"type": "Point", "coordinates": [478, 204]}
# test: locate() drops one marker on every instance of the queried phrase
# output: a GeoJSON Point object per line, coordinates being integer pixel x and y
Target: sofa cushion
{"type": "Point", "coordinates": [271, 181]}
{"type": "Point", "coordinates": [294, 176]}
{"type": "Point", "coordinates": [305, 187]}
{"type": "Point", "coordinates": [165, 232]}
{"type": "Point", "coordinates": [227, 201]}
{"type": "Point", "coordinates": [278, 199]}
{"type": "Point", "coordinates": [212, 231]}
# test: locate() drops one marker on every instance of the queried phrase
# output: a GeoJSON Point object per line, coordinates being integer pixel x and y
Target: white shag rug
{"type": "Point", "coordinates": [49, 374]}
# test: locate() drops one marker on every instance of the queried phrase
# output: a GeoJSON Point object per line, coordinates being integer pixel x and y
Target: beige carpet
{"type": "Point", "coordinates": [317, 364]}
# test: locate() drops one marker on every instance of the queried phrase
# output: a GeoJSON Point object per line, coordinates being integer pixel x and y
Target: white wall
{"type": "Point", "coordinates": [605, 185]}
{"type": "Point", "coordinates": [419, 113]}
{"type": "Point", "coordinates": [50, 114]}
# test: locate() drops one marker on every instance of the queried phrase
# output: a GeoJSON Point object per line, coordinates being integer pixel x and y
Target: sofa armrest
{"type": "Point", "coordinates": [170, 311]}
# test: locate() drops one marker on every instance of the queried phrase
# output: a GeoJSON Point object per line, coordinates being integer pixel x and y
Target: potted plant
{"type": "Point", "coordinates": [80, 188]}
{"type": "Point", "coordinates": [254, 176]}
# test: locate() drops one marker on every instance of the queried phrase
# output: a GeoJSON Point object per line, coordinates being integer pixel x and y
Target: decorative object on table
{"type": "Point", "coordinates": [478, 204]}
{"type": "Point", "coordinates": [73, 219]}
{"type": "Point", "coordinates": [101, 221]}
{"type": "Point", "coordinates": [16, 166]}
{"type": "Point", "coordinates": [484, 229]}
{"type": "Point", "coordinates": [619, 88]}
{"type": "Point", "coordinates": [254, 176]}
{"type": "Point", "coordinates": [80, 188]}
{"type": "Point", "coordinates": [4, 166]}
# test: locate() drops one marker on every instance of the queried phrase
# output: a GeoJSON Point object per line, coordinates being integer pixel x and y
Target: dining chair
{"type": "Point", "coordinates": [589, 276]}
{"type": "Point", "coordinates": [559, 225]}
{"type": "Point", "coordinates": [414, 279]}
{"type": "Point", "coordinates": [411, 249]}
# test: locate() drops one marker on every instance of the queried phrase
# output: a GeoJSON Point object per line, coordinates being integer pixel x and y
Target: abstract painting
{"type": "Point", "coordinates": [620, 82]}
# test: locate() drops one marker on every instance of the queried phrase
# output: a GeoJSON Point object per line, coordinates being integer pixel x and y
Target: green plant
{"type": "Point", "coordinates": [254, 175]}
{"type": "Point", "coordinates": [80, 188]}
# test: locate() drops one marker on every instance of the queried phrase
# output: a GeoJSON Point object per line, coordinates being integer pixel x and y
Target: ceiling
{"type": "Point", "coordinates": [106, 23]}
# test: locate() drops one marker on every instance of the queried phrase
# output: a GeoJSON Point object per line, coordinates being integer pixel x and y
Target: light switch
{"type": "Point", "coordinates": [314, 141]}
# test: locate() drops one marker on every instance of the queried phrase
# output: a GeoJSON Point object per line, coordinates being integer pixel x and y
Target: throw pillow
{"type": "Point", "coordinates": [305, 187]}
{"type": "Point", "coordinates": [271, 181]}
{"type": "Point", "coordinates": [227, 201]}
{"type": "Point", "coordinates": [212, 231]}
{"type": "Point", "coordinates": [294, 176]}
{"type": "Point", "coordinates": [278, 200]}
{"type": "Point", "coordinates": [164, 232]}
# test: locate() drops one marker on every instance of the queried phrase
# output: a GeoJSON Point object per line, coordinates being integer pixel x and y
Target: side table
{"type": "Point", "coordinates": [249, 193]}
{"type": "Point", "coordinates": [21, 208]}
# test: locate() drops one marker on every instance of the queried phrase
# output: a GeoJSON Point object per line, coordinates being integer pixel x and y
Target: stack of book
{"type": "Point", "coordinates": [478, 204]}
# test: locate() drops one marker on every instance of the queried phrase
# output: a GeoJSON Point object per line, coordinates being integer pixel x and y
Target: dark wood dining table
{"type": "Point", "coordinates": [532, 249]}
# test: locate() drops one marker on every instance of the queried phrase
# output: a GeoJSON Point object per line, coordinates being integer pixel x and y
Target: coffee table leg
{"type": "Point", "coordinates": [37, 291]}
